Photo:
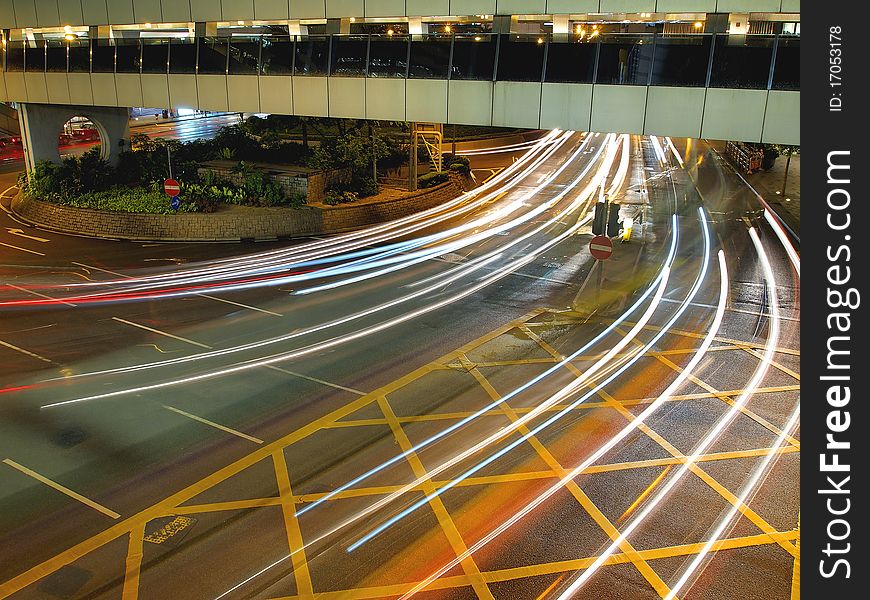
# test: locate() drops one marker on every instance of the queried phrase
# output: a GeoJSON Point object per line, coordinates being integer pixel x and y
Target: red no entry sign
{"type": "Point", "coordinates": [600, 247]}
{"type": "Point", "coordinates": [171, 187]}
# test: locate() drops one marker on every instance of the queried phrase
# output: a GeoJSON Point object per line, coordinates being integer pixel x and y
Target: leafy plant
{"type": "Point", "coordinates": [432, 179]}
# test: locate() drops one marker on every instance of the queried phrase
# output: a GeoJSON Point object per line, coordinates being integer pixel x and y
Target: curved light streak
{"type": "Point", "coordinates": [701, 449]}
{"type": "Point", "coordinates": [579, 470]}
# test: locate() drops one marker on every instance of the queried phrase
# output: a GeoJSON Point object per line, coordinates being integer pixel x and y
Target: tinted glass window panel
{"type": "Point", "coordinates": [15, 55]}
{"type": "Point", "coordinates": [388, 56]}
{"type": "Point", "coordinates": [742, 61]}
{"type": "Point", "coordinates": [521, 58]}
{"type": "Point", "coordinates": [129, 59]}
{"type": "Point", "coordinates": [625, 59]}
{"type": "Point", "coordinates": [430, 58]}
{"type": "Point", "coordinates": [213, 56]}
{"type": "Point", "coordinates": [571, 61]}
{"type": "Point", "coordinates": [349, 56]}
{"type": "Point", "coordinates": [473, 57]}
{"type": "Point", "coordinates": [787, 69]}
{"type": "Point", "coordinates": [182, 56]}
{"type": "Point", "coordinates": [682, 60]}
{"type": "Point", "coordinates": [34, 57]}
{"type": "Point", "coordinates": [79, 56]}
{"type": "Point", "coordinates": [103, 56]}
{"type": "Point", "coordinates": [55, 56]}
{"type": "Point", "coordinates": [277, 55]}
{"type": "Point", "coordinates": [244, 56]}
{"type": "Point", "coordinates": [312, 55]}
{"type": "Point", "coordinates": [155, 56]}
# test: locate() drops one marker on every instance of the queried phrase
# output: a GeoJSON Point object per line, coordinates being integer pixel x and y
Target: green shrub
{"type": "Point", "coordinates": [334, 197]}
{"type": "Point", "coordinates": [432, 179]}
{"type": "Point", "coordinates": [122, 199]}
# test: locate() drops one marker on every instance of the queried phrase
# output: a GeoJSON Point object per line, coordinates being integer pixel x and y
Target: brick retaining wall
{"type": "Point", "coordinates": [232, 224]}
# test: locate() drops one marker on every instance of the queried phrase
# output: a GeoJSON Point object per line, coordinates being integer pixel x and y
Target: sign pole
{"type": "Point", "coordinates": [169, 160]}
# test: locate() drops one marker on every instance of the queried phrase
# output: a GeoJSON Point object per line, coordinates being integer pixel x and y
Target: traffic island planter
{"type": "Point", "coordinates": [234, 223]}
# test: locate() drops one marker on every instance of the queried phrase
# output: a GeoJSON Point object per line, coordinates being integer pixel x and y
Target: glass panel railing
{"type": "Point", "coordinates": [79, 56]}
{"type": "Point", "coordinates": [244, 55]}
{"type": "Point", "coordinates": [787, 67]}
{"type": "Point", "coordinates": [625, 58]}
{"type": "Point", "coordinates": [213, 56]}
{"type": "Point", "coordinates": [182, 56]}
{"type": "Point", "coordinates": [276, 55]}
{"type": "Point", "coordinates": [34, 57]}
{"type": "Point", "coordinates": [742, 61]}
{"type": "Point", "coordinates": [103, 55]}
{"type": "Point", "coordinates": [681, 60]}
{"type": "Point", "coordinates": [388, 56]}
{"type": "Point", "coordinates": [521, 58]}
{"type": "Point", "coordinates": [155, 55]}
{"type": "Point", "coordinates": [312, 55]}
{"type": "Point", "coordinates": [571, 61]}
{"type": "Point", "coordinates": [473, 57]}
{"type": "Point", "coordinates": [15, 55]}
{"type": "Point", "coordinates": [349, 54]}
{"type": "Point", "coordinates": [129, 56]}
{"type": "Point", "coordinates": [56, 56]}
{"type": "Point", "coordinates": [430, 57]}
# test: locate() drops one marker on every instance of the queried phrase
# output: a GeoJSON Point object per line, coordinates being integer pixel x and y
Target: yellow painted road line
{"type": "Point", "coordinates": [192, 509]}
{"type": "Point", "coordinates": [133, 563]}
{"type": "Point", "coordinates": [743, 409]}
{"type": "Point", "coordinates": [773, 363]}
{"type": "Point", "coordinates": [732, 499]}
{"type": "Point", "coordinates": [158, 332]}
{"type": "Point", "coordinates": [235, 432]}
{"type": "Point", "coordinates": [291, 523]}
{"type": "Point", "coordinates": [796, 569]}
{"type": "Point", "coordinates": [21, 249]}
{"type": "Point", "coordinates": [225, 301]}
{"type": "Point", "coordinates": [27, 352]}
{"type": "Point", "coordinates": [469, 566]}
{"type": "Point", "coordinates": [61, 488]}
{"type": "Point", "coordinates": [316, 380]}
{"type": "Point", "coordinates": [551, 568]}
{"type": "Point", "coordinates": [41, 295]}
{"type": "Point", "coordinates": [588, 505]}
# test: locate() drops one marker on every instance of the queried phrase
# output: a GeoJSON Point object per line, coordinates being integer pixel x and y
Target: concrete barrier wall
{"type": "Point", "coordinates": [234, 224]}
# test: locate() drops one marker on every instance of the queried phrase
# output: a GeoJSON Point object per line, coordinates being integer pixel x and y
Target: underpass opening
{"type": "Point", "coordinates": [80, 135]}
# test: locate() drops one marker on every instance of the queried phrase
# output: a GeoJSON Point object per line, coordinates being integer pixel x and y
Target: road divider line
{"type": "Point", "coordinates": [316, 380]}
{"type": "Point", "coordinates": [235, 432]}
{"type": "Point", "coordinates": [41, 295]}
{"type": "Point", "coordinates": [157, 331]}
{"type": "Point", "coordinates": [27, 352]}
{"type": "Point", "coordinates": [21, 249]}
{"type": "Point", "coordinates": [61, 488]}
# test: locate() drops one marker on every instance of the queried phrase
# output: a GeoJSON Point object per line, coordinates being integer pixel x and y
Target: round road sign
{"type": "Point", "coordinates": [171, 187]}
{"type": "Point", "coordinates": [600, 247]}
{"type": "Point", "coordinates": [175, 203]}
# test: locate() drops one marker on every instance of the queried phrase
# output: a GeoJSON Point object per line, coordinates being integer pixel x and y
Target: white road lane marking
{"type": "Point", "coordinates": [20, 233]}
{"type": "Point", "coordinates": [316, 380]}
{"type": "Point", "coordinates": [163, 333]}
{"type": "Point", "coordinates": [21, 249]}
{"type": "Point", "coordinates": [256, 440]}
{"type": "Point", "coordinates": [41, 295]}
{"type": "Point", "coordinates": [27, 352]}
{"type": "Point", "coordinates": [225, 301]}
{"type": "Point", "coordinates": [61, 488]}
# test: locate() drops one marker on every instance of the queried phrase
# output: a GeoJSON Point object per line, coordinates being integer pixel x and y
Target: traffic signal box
{"type": "Point", "coordinates": [606, 220]}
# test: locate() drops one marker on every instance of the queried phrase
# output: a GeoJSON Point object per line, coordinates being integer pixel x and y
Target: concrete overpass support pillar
{"type": "Point", "coordinates": [41, 124]}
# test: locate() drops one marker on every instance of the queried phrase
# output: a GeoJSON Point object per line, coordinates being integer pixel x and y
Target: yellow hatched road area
{"type": "Point", "coordinates": [473, 358]}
